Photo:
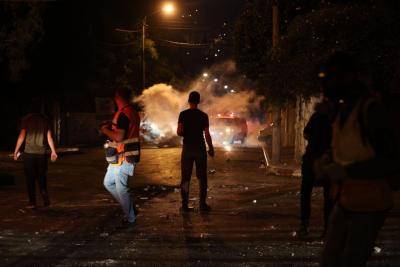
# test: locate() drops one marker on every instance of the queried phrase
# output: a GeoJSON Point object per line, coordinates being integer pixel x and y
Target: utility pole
{"type": "Point", "coordinates": [276, 128]}
{"type": "Point", "coordinates": [143, 52]}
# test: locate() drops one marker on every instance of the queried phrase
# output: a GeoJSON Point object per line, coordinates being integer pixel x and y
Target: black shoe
{"type": "Point", "coordinates": [303, 231]}
{"type": "Point", "coordinates": [46, 202]}
{"type": "Point", "coordinates": [205, 208]}
{"type": "Point", "coordinates": [136, 211]}
{"type": "Point", "coordinates": [125, 224]}
{"type": "Point", "coordinates": [186, 209]}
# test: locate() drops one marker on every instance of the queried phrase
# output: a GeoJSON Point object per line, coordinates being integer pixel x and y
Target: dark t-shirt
{"type": "Point", "coordinates": [194, 122]}
{"type": "Point", "coordinates": [36, 126]}
{"type": "Point", "coordinates": [319, 132]}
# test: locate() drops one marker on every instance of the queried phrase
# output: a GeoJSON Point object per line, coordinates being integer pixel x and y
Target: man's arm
{"type": "Point", "coordinates": [50, 140]}
{"type": "Point", "coordinates": [179, 130]}
{"type": "Point", "coordinates": [117, 134]}
{"type": "Point", "coordinates": [20, 140]}
{"type": "Point", "coordinates": [209, 142]}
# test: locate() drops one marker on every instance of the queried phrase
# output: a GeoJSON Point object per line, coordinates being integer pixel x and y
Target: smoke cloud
{"type": "Point", "coordinates": [223, 91]}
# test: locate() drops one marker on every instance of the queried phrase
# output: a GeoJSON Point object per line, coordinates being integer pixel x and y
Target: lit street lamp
{"type": "Point", "coordinates": [168, 9]}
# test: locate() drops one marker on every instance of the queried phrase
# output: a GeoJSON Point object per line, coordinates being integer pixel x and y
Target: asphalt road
{"type": "Point", "coordinates": [253, 221]}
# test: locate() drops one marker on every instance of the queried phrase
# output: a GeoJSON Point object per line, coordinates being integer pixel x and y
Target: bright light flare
{"type": "Point", "coordinates": [228, 130]}
{"type": "Point", "coordinates": [168, 8]}
{"type": "Point", "coordinates": [228, 148]}
{"type": "Point", "coordinates": [205, 74]}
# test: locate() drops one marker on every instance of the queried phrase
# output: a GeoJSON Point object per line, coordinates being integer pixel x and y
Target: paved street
{"type": "Point", "coordinates": [253, 221]}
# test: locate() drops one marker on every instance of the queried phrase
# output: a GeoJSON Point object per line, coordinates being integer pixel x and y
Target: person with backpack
{"type": "Point", "coordinates": [36, 135]}
{"type": "Point", "coordinates": [363, 139]}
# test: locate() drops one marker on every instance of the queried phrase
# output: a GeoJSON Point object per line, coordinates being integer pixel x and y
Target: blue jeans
{"type": "Point", "coordinates": [116, 182]}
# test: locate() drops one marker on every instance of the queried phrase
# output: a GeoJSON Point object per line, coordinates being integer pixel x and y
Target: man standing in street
{"type": "Point", "coordinates": [193, 126]}
{"type": "Point", "coordinates": [318, 133]}
{"type": "Point", "coordinates": [124, 134]}
{"type": "Point", "coordinates": [35, 132]}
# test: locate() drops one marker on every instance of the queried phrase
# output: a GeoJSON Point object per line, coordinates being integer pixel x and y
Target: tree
{"type": "Point", "coordinates": [310, 36]}
{"type": "Point", "coordinates": [21, 31]}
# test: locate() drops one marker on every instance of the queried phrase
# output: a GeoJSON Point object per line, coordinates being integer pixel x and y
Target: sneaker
{"type": "Point", "coordinates": [186, 209]}
{"type": "Point", "coordinates": [205, 208]}
{"type": "Point", "coordinates": [31, 206]}
{"type": "Point", "coordinates": [125, 224]}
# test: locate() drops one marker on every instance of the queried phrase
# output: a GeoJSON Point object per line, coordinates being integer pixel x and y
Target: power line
{"type": "Point", "coordinates": [192, 45]}
{"type": "Point", "coordinates": [124, 30]}
{"type": "Point", "coordinates": [115, 44]}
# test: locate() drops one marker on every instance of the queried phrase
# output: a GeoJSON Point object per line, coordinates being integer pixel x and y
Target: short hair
{"type": "Point", "coordinates": [124, 93]}
{"type": "Point", "coordinates": [194, 97]}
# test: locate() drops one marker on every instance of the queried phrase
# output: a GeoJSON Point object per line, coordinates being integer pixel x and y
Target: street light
{"type": "Point", "coordinates": [168, 9]}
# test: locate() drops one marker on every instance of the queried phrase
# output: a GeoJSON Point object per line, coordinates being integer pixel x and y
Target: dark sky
{"type": "Point", "coordinates": [201, 21]}
{"type": "Point", "coordinates": [63, 61]}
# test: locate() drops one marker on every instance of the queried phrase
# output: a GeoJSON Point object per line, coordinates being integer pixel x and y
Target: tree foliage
{"type": "Point", "coordinates": [369, 29]}
{"type": "Point", "coordinates": [21, 29]}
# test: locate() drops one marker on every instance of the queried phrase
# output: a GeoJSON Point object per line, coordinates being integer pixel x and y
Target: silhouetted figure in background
{"type": "Point", "coordinates": [37, 136]}
{"type": "Point", "coordinates": [193, 125]}
{"type": "Point", "coordinates": [318, 133]}
{"type": "Point", "coordinates": [362, 142]}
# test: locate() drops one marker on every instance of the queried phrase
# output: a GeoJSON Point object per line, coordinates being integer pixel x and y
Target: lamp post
{"type": "Point", "coordinates": [168, 9]}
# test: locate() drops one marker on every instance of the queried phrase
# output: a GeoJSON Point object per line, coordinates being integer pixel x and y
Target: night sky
{"type": "Point", "coordinates": [63, 63]}
{"type": "Point", "coordinates": [72, 30]}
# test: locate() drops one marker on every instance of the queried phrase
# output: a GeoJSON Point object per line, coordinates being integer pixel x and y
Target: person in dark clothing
{"type": "Point", "coordinates": [193, 125]}
{"type": "Point", "coordinates": [363, 140]}
{"type": "Point", "coordinates": [35, 132]}
{"type": "Point", "coordinates": [318, 133]}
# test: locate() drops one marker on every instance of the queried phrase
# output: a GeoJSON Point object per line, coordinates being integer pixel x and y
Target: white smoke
{"type": "Point", "coordinates": [223, 91]}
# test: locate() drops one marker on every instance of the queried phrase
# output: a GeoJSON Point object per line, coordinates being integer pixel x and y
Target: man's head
{"type": "Point", "coordinates": [194, 97]}
{"type": "Point", "coordinates": [122, 97]}
{"type": "Point", "coordinates": [341, 78]}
